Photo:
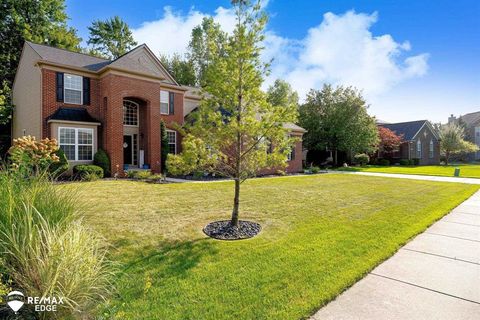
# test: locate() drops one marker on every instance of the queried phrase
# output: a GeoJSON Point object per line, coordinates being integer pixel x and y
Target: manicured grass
{"type": "Point", "coordinates": [320, 235]}
{"type": "Point", "coordinates": [466, 170]}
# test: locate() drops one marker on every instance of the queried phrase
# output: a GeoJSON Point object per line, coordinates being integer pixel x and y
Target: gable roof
{"type": "Point", "coordinates": [408, 129]}
{"type": "Point", "coordinates": [70, 58]}
{"type": "Point", "coordinates": [72, 114]}
{"type": "Point", "coordinates": [471, 118]}
{"type": "Point", "coordinates": [140, 59]}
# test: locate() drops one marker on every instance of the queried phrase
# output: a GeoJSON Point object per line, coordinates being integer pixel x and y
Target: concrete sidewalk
{"type": "Point", "coordinates": [435, 276]}
{"type": "Point", "coordinates": [413, 177]}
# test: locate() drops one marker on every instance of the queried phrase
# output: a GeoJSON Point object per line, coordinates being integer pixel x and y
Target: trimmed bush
{"type": "Point", "coordinates": [60, 167]}
{"type": "Point", "coordinates": [415, 161]}
{"type": "Point", "coordinates": [143, 174]}
{"type": "Point", "coordinates": [404, 162]}
{"type": "Point", "coordinates": [383, 162]}
{"type": "Point", "coordinates": [315, 169]}
{"type": "Point", "coordinates": [362, 159]}
{"type": "Point", "coordinates": [102, 160]}
{"type": "Point", "coordinates": [85, 171]}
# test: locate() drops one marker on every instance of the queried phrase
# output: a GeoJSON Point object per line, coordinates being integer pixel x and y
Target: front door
{"type": "Point", "coordinates": [127, 150]}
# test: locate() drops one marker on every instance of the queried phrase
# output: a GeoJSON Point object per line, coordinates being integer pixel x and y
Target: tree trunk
{"type": "Point", "coordinates": [335, 158]}
{"type": "Point", "coordinates": [236, 203]}
{"type": "Point", "coordinates": [447, 155]}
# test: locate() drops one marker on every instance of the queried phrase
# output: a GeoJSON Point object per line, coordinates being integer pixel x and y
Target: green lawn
{"type": "Point", "coordinates": [320, 235]}
{"type": "Point", "coordinates": [466, 170]}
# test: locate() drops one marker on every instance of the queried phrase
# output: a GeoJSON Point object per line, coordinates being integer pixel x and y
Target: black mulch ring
{"type": "Point", "coordinates": [223, 230]}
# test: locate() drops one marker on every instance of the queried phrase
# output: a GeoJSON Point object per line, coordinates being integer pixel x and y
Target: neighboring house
{"type": "Point", "coordinates": [471, 121]}
{"type": "Point", "coordinates": [87, 103]}
{"type": "Point", "coordinates": [421, 141]}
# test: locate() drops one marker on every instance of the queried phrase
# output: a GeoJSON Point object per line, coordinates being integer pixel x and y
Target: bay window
{"type": "Point", "coordinates": [76, 143]}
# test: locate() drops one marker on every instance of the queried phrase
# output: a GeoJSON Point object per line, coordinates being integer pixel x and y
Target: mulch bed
{"type": "Point", "coordinates": [223, 230]}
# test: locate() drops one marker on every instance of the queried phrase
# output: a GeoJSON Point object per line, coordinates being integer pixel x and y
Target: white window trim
{"type": "Point", "coordinates": [76, 144]}
{"type": "Point", "coordinates": [175, 132]}
{"type": "Point", "coordinates": [168, 102]}
{"type": "Point", "coordinates": [138, 115]}
{"type": "Point", "coordinates": [65, 88]}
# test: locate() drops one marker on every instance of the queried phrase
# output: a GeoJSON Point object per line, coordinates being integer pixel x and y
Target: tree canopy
{"type": "Point", "coordinates": [336, 119]}
{"type": "Point", "coordinates": [282, 94]}
{"type": "Point", "coordinates": [111, 37]}
{"type": "Point", "coordinates": [181, 69]}
{"type": "Point", "coordinates": [389, 140]}
{"type": "Point", "coordinates": [236, 132]}
{"type": "Point", "coordinates": [452, 141]}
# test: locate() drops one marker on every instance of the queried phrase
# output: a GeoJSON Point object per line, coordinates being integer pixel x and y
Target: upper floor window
{"type": "Point", "coordinates": [172, 141]}
{"type": "Point", "coordinates": [76, 143]}
{"type": "Point", "coordinates": [419, 149]}
{"type": "Point", "coordinates": [431, 149]}
{"type": "Point", "coordinates": [164, 102]}
{"type": "Point", "coordinates": [73, 89]}
{"type": "Point", "coordinates": [130, 113]}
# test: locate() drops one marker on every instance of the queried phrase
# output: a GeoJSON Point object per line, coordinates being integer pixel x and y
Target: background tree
{"type": "Point", "coordinates": [235, 125]}
{"type": "Point", "coordinates": [39, 21]}
{"type": "Point", "coordinates": [337, 119]}
{"type": "Point", "coordinates": [111, 37]}
{"type": "Point", "coordinates": [207, 41]}
{"type": "Point", "coordinates": [282, 94]}
{"type": "Point", "coordinates": [181, 69]}
{"type": "Point", "coordinates": [165, 148]}
{"type": "Point", "coordinates": [452, 141]}
{"type": "Point", "coordinates": [389, 141]}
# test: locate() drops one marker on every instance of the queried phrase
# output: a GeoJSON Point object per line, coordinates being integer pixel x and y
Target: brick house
{"type": "Point", "coordinates": [87, 103]}
{"type": "Point", "coordinates": [420, 141]}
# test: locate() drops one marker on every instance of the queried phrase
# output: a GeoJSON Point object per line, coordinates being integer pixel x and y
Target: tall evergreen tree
{"type": "Point", "coordinates": [111, 37]}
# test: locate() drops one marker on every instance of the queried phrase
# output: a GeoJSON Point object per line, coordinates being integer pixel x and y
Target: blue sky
{"type": "Point", "coordinates": [413, 59]}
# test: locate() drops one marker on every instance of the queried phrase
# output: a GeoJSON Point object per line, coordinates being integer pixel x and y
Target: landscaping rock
{"type": "Point", "coordinates": [223, 230]}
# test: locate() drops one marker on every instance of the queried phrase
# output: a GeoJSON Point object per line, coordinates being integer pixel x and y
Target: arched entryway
{"type": "Point", "coordinates": [133, 127]}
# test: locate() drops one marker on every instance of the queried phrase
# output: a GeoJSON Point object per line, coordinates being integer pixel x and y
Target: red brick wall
{"type": "Point", "coordinates": [294, 165]}
{"type": "Point", "coordinates": [110, 113]}
{"type": "Point", "coordinates": [50, 104]}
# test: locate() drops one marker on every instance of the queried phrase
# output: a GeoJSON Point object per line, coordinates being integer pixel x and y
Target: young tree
{"type": "Point", "coordinates": [337, 119]}
{"type": "Point", "coordinates": [207, 41]}
{"type": "Point", "coordinates": [181, 69]}
{"type": "Point", "coordinates": [452, 141]}
{"type": "Point", "coordinates": [389, 141]}
{"type": "Point", "coordinates": [165, 148]}
{"type": "Point", "coordinates": [235, 131]}
{"type": "Point", "coordinates": [111, 37]}
{"type": "Point", "coordinates": [281, 94]}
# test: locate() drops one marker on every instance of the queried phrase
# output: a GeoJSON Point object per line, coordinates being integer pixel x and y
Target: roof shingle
{"type": "Point", "coordinates": [407, 129]}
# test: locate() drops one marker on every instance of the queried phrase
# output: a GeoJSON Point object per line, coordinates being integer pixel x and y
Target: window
{"type": "Point", "coordinates": [172, 141]}
{"type": "Point", "coordinates": [419, 149]}
{"type": "Point", "coordinates": [73, 90]}
{"type": "Point", "coordinates": [291, 154]}
{"type": "Point", "coordinates": [431, 149]}
{"type": "Point", "coordinates": [164, 104]}
{"type": "Point", "coordinates": [76, 143]}
{"type": "Point", "coordinates": [130, 113]}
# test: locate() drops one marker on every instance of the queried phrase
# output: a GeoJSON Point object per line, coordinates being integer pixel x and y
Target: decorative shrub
{"type": "Point", "coordinates": [61, 166]}
{"type": "Point", "coordinates": [383, 162]}
{"type": "Point", "coordinates": [102, 160]}
{"type": "Point", "coordinates": [315, 169]}
{"type": "Point", "coordinates": [143, 174]}
{"type": "Point", "coordinates": [28, 154]}
{"type": "Point", "coordinates": [362, 159]}
{"type": "Point", "coordinates": [415, 162]}
{"type": "Point", "coordinates": [404, 162]}
{"type": "Point", "coordinates": [46, 251]}
{"type": "Point", "coordinates": [85, 171]}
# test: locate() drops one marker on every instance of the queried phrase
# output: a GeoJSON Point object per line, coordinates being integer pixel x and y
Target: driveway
{"type": "Point", "coordinates": [435, 276]}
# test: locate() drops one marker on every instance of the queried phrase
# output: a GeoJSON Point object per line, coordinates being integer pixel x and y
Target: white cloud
{"type": "Point", "coordinates": [340, 50]}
